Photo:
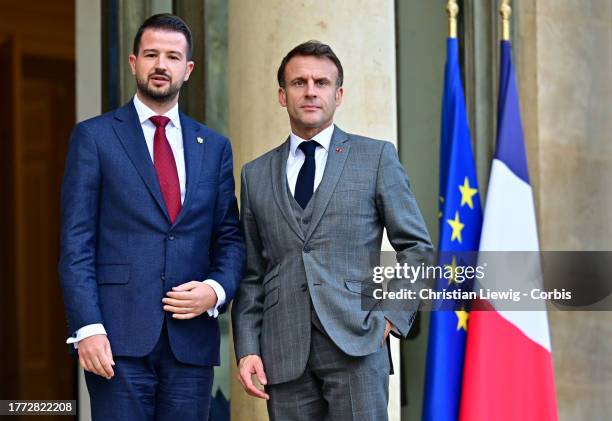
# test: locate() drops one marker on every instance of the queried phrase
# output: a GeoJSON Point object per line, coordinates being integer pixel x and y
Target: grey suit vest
{"type": "Point", "coordinates": [303, 217]}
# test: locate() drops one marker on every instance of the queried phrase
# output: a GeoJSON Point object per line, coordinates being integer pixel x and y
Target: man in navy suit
{"type": "Point", "coordinates": [151, 248]}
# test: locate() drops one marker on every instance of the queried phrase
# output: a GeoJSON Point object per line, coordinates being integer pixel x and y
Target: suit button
{"type": "Point", "coordinates": [304, 287]}
{"type": "Point", "coordinates": [171, 237]}
{"type": "Point", "coordinates": [163, 277]}
{"type": "Point", "coordinates": [307, 249]}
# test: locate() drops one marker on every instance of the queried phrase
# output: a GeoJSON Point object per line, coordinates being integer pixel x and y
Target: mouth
{"type": "Point", "coordinates": [159, 80]}
{"type": "Point", "coordinates": [310, 107]}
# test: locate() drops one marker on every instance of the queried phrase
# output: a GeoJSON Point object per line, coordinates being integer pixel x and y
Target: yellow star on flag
{"type": "Point", "coordinates": [462, 319]}
{"type": "Point", "coordinates": [467, 193]}
{"type": "Point", "coordinates": [453, 268]}
{"type": "Point", "coordinates": [457, 226]}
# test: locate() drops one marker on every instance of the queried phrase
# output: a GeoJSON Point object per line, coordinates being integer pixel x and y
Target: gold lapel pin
{"type": "Point", "coordinates": [200, 140]}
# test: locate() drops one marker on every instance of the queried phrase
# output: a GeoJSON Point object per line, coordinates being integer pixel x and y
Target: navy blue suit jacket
{"type": "Point", "coordinates": [120, 253]}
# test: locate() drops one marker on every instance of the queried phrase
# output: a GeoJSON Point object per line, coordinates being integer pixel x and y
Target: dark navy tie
{"type": "Point", "coordinates": [304, 186]}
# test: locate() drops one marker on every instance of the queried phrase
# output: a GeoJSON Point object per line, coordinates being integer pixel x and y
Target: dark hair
{"type": "Point", "coordinates": [168, 22]}
{"type": "Point", "coordinates": [310, 48]}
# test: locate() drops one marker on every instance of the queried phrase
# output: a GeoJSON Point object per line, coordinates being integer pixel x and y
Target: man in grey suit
{"type": "Point", "coordinates": [313, 214]}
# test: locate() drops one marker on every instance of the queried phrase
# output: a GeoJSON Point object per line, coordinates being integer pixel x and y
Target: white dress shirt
{"type": "Point", "coordinates": [296, 157]}
{"type": "Point", "coordinates": [174, 135]}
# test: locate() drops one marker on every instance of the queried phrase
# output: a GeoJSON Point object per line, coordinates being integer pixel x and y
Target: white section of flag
{"type": "Point", "coordinates": [510, 225]}
{"type": "Point", "coordinates": [509, 222]}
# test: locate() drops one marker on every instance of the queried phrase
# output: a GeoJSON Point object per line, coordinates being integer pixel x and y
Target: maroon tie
{"type": "Point", "coordinates": [166, 167]}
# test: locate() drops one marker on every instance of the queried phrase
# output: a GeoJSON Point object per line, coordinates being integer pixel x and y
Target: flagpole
{"type": "Point", "coordinates": [453, 10]}
{"type": "Point", "coordinates": [505, 11]}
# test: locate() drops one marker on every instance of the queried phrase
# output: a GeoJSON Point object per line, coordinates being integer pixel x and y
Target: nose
{"type": "Point", "coordinates": [310, 89]}
{"type": "Point", "coordinates": [161, 62]}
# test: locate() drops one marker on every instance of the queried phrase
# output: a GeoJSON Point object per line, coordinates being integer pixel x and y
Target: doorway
{"type": "Point", "coordinates": [38, 111]}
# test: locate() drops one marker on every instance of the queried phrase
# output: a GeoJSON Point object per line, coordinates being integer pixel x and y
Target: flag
{"type": "Point", "coordinates": [508, 372]}
{"type": "Point", "coordinates": [460, 226]}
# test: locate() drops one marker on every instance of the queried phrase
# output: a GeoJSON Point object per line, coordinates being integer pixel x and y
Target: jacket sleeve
{"type": "Point", "coordinates": [79, 220]}
{"type": "Point", "coordinates": [227, 254]}
{"type": "Point", "coordinates": [247, 309]}
{"type": "Point", "coordinates": [405, 226]}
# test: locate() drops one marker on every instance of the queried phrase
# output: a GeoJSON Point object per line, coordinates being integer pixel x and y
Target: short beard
{"type": "Point", "coordinates": [166, 95]}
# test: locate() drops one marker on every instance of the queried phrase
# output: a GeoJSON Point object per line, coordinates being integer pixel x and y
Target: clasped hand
{"type": "Point", "coordinates": [189, 300]}
{"type": "Point", "coordinates": [185, 301]}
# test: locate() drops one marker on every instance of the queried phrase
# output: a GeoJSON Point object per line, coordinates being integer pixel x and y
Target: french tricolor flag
{"type": "Point", "coordinates": [508, 370]}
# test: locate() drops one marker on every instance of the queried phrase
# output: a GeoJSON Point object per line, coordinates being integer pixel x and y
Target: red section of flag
{"type": "Point", "coordinates": [506, 376]}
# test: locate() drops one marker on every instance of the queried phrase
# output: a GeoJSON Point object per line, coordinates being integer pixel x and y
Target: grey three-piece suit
{"type": "Point", "coordinates": [299, 305]}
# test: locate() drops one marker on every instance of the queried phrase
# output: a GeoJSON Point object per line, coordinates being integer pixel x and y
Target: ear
{"type": "Point", "coordinates": [132, 60]}
{"type": "Point", "coordinates": [339, 95]}
{"type": "Point", "coordinates": [190, 65]}
{"type": "Point", "coordinates": [282, 97]}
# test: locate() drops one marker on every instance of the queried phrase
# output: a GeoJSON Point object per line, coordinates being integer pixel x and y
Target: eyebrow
{"type": "Point", "coordinates": [316, 79]}
{"type": "Point", "coordinates": [153, 50]}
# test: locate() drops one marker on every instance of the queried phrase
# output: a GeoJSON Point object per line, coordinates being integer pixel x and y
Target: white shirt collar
{"type": "Point", "coordinates": [145, 113]}
{"type": "Point", "coordinates": [323, 138]}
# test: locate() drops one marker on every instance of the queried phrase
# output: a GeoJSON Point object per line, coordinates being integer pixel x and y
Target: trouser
{"type": "Point", "coordinates": [156, 387]}
{"type": "Point", "coordinates": [334, 386]}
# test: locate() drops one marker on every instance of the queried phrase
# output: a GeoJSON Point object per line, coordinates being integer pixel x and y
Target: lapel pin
{"type": "Point", "coordinates": [338, 149]}
{"type": "Point", "coordinates": [200, 140]}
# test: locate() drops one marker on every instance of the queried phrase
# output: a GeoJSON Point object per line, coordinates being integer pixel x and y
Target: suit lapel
{"type": "Point", "coordinates": [278, 167]}
{"type": "Point", "coordinates": [128, 130]}
{"type": "Point", "coordinates": [336, 158]}
{"type": "Point", "coordinates": [194, 154]}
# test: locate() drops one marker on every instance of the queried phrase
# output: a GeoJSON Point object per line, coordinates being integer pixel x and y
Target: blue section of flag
{"type": "Point", "coordinates": [460, 224]}
{"type": "Point", "coordinates": [510, 145]}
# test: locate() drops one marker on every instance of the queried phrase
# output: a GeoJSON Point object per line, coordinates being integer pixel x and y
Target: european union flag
{"type": "Point", "coordinates": [460, 222]}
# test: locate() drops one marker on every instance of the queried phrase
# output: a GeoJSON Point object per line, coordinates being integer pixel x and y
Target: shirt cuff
{"type": "Point", "coordinates": [214, 312]}
{"type": "Point", "coordinates": [86, 332]}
